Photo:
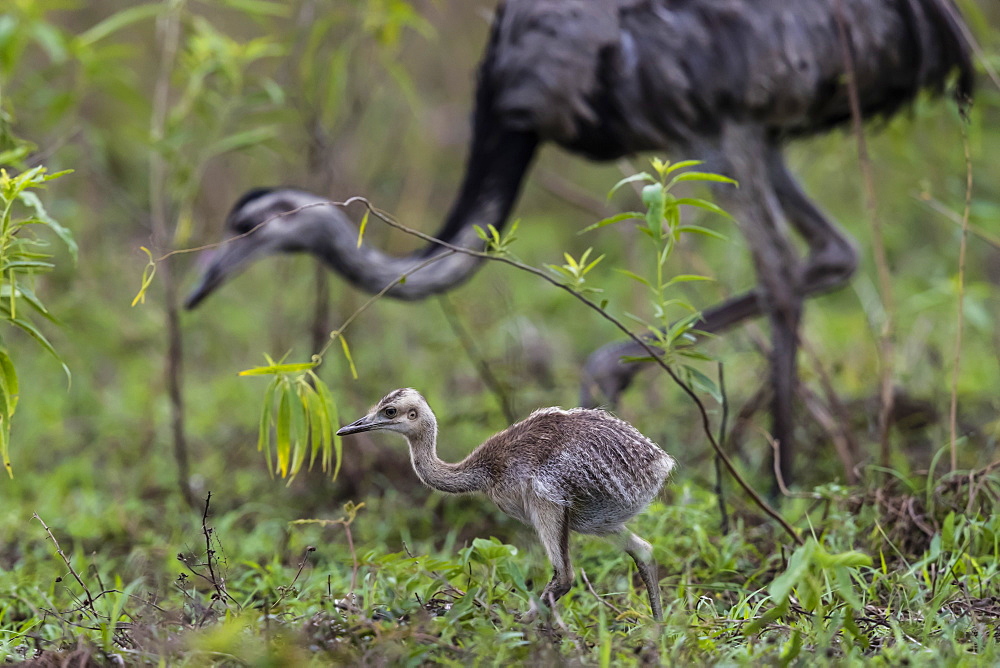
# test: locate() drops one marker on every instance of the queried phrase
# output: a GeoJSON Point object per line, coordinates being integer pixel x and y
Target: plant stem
{"type": "Point", "coordinates": [168, 32]}
{"type": "Point", "coordinates": [960, 318]}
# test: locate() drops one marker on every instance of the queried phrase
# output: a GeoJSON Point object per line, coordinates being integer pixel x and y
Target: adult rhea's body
{"type": "Point", "coordinates": [558, 470]}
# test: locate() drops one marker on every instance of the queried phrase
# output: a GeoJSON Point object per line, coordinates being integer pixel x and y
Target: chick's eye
{"type": "Point", "coordinates": [412, 415]}
{"type": "Point", "coordinates": [390, 412]}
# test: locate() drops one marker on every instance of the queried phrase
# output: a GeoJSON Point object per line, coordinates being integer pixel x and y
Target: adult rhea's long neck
{"type": "Point", "coordinates": [496, 166]}
{"type": "Point", "coordinates": [463, 477]}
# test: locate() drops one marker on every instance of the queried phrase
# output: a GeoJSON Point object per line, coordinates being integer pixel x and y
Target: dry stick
{"type": "Point", "coordinates": [886, 336]}
{"type": "Point", "coordinates": [938, 206]}
{"type": "Point", "coordinates": [476, 357]}
{"type": "Point", "coordinates": [653, 354]}
{"type": "Point", "coordinates": [606, 602]}
{"type": "Point", "coordinates": [220, 588]}
{"type": "Point", "coordinates": [168, 30]}
{"type": "Point", "coordinates": [724, 523]}
{"type": "Point", "coordinates": [953, 410]}
{"type": "Point", "coordinates": [302, 566]}
{"type": "Point", "coordinates": [89, 603]}
{"type": "Point", "coordinates": [843, 439]}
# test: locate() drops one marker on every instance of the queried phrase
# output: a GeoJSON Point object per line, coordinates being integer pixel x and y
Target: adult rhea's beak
{"type": "Point", "coordinates": [367, 423]}
{"type": "Point", "coordinates": [223, 263]}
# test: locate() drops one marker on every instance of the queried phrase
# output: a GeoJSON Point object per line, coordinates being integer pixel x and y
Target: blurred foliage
{"type": "Point", "coordinates": [22, 257]}
{"type": "Point", "coordinates": [372, 98]}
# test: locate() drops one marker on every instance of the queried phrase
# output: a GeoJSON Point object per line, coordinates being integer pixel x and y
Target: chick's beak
{"type": "Point", "coordinates": [367, 423]}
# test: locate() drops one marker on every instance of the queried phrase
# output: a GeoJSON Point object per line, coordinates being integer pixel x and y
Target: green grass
{"type": "Point", "coordinates": [432, 586]}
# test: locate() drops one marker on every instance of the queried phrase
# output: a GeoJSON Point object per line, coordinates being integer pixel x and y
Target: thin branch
{"type": "Point", "coordinates": [651, 352]}
{"type": "Point", "coordinates": [450, 249]}
{"type": "Point", "coordinates": [886, 335]}
{"type": "Point", "coordinates": [89, 603]}
{"type": "Point", "coordinates": [611, 606]}
{"type": "Point", "coordinates": [168, 35]}
{"type": "Point", "coordinates": [719, 492]}
{"type": "Point", "coordinates": [953, 409]}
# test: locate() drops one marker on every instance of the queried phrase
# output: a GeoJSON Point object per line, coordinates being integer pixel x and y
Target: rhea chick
{"type": "Point", "coordinates": [580, 470]}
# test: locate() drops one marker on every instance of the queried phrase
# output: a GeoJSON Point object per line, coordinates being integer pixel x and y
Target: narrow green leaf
{"type": "Point", "coordinates": [117, 21]}
{"type": "Point", "coordinates": [264, 427]}
{"type": "Point", "coordinates": [300, 431]}
{"type": "Point", "coordinates": [702, 204]}
{"type": "Point", "coordinates": [347, 355]}
{"type": "Point", "coordinates": [8, 377]}
{"type": "Point", "coordinates": [695, 229]}
{"type": "Point", "coordinates": [683, 164]}
{"type": "Point", "coordinates": [641, 176]}
{"type": "Point", "coordinates": [687, 278]}
{"type": "Point", "coordinates": [634, 277]}
{"type": "Point", "coordinates": [32, 200]}
{"type": "Point", "coordinates": [364, 224]}
{"type": "Point", "coordinates": [276, 369]}
{"type": "Point", "coordinates": [283, 430]}
{"type": "Point", "coordinates": [628, 215]}
{"type": "Point", "coordinates": [33, 331]}
{"type": "Point", "coordinates": [240, 140]}
{"type": "Point", "coordinates": [331, 407]}
{"type": "Point", "coordinates": [700, 176]}
{"type": "Point", "coordinates": [260, 7]}
{"type": "Point", "coordinates": [704, 383]}
{"type": "Point", "coordinates": [147, 277]}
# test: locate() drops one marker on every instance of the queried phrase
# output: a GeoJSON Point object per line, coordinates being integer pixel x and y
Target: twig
{"type": "Point", "coordinates": [89, 602]}
{"type": "Point", "coordinates": [220, 587]}
{"type": "Point", "coordinates": [168, 33]}
{"type": "Point", "coordinates": [452, 248]}
{"type": "Point", "coordinates": [653, 354]}
{"type": "Point", "coordinates": [953, 409]}
{"type": "Point", "coordinates": [886, 336]}
{"type": "Point", "coordinates": [618, 612]}
{"type": "Point", "coordinates": [476, 357]}
{"type": "Point", "coordinates": [724, 523]}
{"type": "Point", "coordinates": [302, 565]}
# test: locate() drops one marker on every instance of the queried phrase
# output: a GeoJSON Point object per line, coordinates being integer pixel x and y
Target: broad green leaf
{"type": "Point", "coordinates": [654, 197]}
{"type": "Point", "coordinates": [798, 566]}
